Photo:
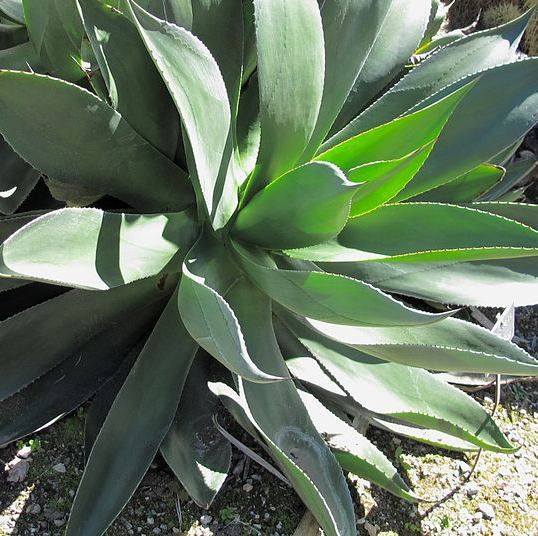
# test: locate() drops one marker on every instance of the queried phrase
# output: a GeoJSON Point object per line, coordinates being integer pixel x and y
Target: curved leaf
{"type": "Point", "coordinates": [77, 316]}
{"type": "Point", "coordinates": [467, 187]}
{"type": "Point", "coordinates": [194, 449]}
{"type": "Point", "coordinates": [443, 346]}
{"type": "Point", "coordinates": [13, 10]}
{"type": "Point", "coordinates": [468, 56]}
{"type": "Point", "coordinates": [515, 174]}
{"type": "Point", "coordinates": [353, 451]}
{"type": "Point", "coordinates": [326, 296]}
{"type": "Point", "coordinates": [524, 213]}
{"type": "Point", "coordinates": [72, 382]}
{"type": "Point", "coordinates": [142, 100]}
{"type": "Point", "coordinates": [410, 395]}
{"type": "Point", "coordinates": [397, 31]}
{"type": "Point", "coordinates": [208, 275]}
{"type": "Point", "coordinates": [278, 414]}
{"type": "Point", "coordinates": [484, 108]}
{"type": "Point", "coordinates": [313, 200]}
{"type": "Point", "coordinates": [91, 249]}
{"type": "Point", "coordinates": [72, 126]}
{"type": "Point", "coordinates": [198, 90]}
{"type": "Point", "coordinates": [17, 178]}
{"type": "Point", "coordinates": [20, 58]}
{"type": "Point", "coordinates": [56, 32]}
{"type": "Point", "coordinates": [291, 77]}
{"type": "Point", "coordinates": [135, 426]}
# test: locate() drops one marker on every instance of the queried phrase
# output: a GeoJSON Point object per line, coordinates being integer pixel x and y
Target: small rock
{"type": "Point", "coordinates": [24, 452]}
{"type": "Point", "coordinates": [33, 509]}
{"type": "Point", "coordinates": [156, 530]}
{"type": "Point", "coordinates": [59, 468]}
{"type": "Point", "coordinates": [17, 469]}
{"type": "Point", "coordinates": [59, 522]}
{"type": "Point", "coordinates": [205, 519]}
{"type": "Point", "coordinates": [150, 521]}
{"type": "Point", "coordinates": [463, 467]}
{"type": "Point", "coordinates": [175, 530]}
{"type": "Point", "coordinates": [248, 488]}
{"type": "Point", "coordinates": [472, 489]}
{"type": "Point", "coordinates": [372, 530]}
{"type": "Point", "coordinates": [487, 510]}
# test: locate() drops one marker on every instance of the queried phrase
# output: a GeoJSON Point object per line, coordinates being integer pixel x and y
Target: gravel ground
{"type": "Point", "coordinates": [500, 499]}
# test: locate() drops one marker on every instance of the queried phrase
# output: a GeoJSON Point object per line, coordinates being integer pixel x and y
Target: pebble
{"type": "Point", "coordinates": [487, 510]}
{"type": "Point", "coordinates": [150, 521]}
{"type": "Point", "coordinates": [206, 519]}
{"type": "Point", "coordinates": [175, 530]}
{"type": "Point", "coordinates": [33, 509]}
{"type": "Point", "coordinates": [24, 452]}
{"type": "Point", "coordinates": [248, 488]}
{"type": "Point", "coordinates": [59, 468]}
{"type": "Point", "coordinates": [372, 530]}
{"type": "Point", "coordinates": [156, 530]}
{"type": "Point", "coordinates": [59, 522]}
{"type": "Point", "coordinates": [472, 489]}
{"type": "Point", "coordinates": [463, 467]}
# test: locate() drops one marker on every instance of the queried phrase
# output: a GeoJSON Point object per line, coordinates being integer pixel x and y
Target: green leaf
{"type": "Point", "coordinates": [208, 275]}
{"type": "Point", "coordinates": [217, 24]}
{"type": "Point", "coordinates": [196, 85]}
{"type": "Point", "coordinates": [515, 174]}
{"type": "Point", "coordinates": [88, 248]}
{"type": "Point", "coordinates": [395, 391]}
{"type": "Point", "coordinates": [142, 100]}
{"type": "Point", "coordinates": [468, 56]}
{"type": "Point", "coordinates": [248, 131]}
{"type": "Point", "coordinates": [59, 128]}
{"type": "Point", "coordinates": [291, 77]}
{"type": "Point", "coordinates": [13, 10]}
{"type": "Point", "coordinates": [77, 315]}
{"type": "Point", "coordinates": [467, 187]}
{"type": "Point", "coordinates": [135, 426]}
{"type": "Point", "coordinates": [397, 138]}
{"type": "Point", "coordinates": [326, 296]}
{"type": "Point", "coordinates": [194, 449]}
{"type": "Point", "coordinates": [12, 35]}
{"type": "Point", "coordinates": [485, 107]}
{"type": "Point", "coordinates": [17, 179]}
{"type": "Point", "coordinates": [353, 451]}
{"type": "Point", "coordinates": [434, 231]}
{"type": "Point", "coordinates": [488, 283]}
{"type": "Point", "coordinates": [277, 413]}
{"type": "Point", "coordinates": [56, 32]}
{"type": "Point", "coordinates": [72, 382]}
{"type": "Point", "coordinates": [20, 58]}
{"type": "Point", "coordinates": [443, 346]}
{"type": "Point", "coordinates": [526, 214]}
{"type": "Point", "coordinates": [384, 179]}
{"type": "Point", "coordinates": [313, 200]}
{"type": "Point", "coordinates": [427, 233]}
{"type": "Point", "coordinates": [390, 32]}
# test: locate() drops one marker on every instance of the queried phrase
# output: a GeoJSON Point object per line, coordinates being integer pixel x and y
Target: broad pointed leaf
{"type": "Point", "coordinates": [78, 315]}
{"type": "Point", "coordinates": [353, 451]}
{"type": "Point", "coordinates": [135, 426]}
{"type": "Point", "coordinates": [313, 200]}
{"type": "Point", "coordinates": [516, 173]}
{"type": "Point", "coordinates": [291, 78]}
{"type": "Point", "coordinates": [194, 449]}
{"type": "Point", "coordinates": [20, 58]}
{"type": "Point", "coordinates": [17, 179]}
{"type": "Point", "coordinates": [427, 233]}
{"type": "Point", "coordinates": [75, 126]}
{"type": "Point", "coordinates": [524, 213]}
{"type": "Point", "coordinates": [13, 10]}
{"type": "Point", "coordinates": [390, 32]}
{"type": "Point", "coordinates": [411, 395]}
{"type": "Point", "coordinates": [208, 275]}
{"type": "Point", "coordinates": [91, 249]}
{"type": "Point", "coordinates": [56, 32]}
{"type": "Point", "coordinates": [199, 92]}
{"type": "Point", "coordinates": [444, 346]}
{"type": "Point", "coordinates": [278, 414]}
{"type": "Point", "coordinates": [326, 296]}
{"type": "Point", "coordinates": [72, 382]}
{"type": "Point", "coordinates": [397, 138]}
{"type": "Point", "coordinates": [143, 99]}
{"type": "Point", "coordinates": [468, 56]}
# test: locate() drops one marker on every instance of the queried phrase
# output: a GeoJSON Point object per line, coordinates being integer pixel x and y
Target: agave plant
{"type": "Point", "coordinates": [272, 172]}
